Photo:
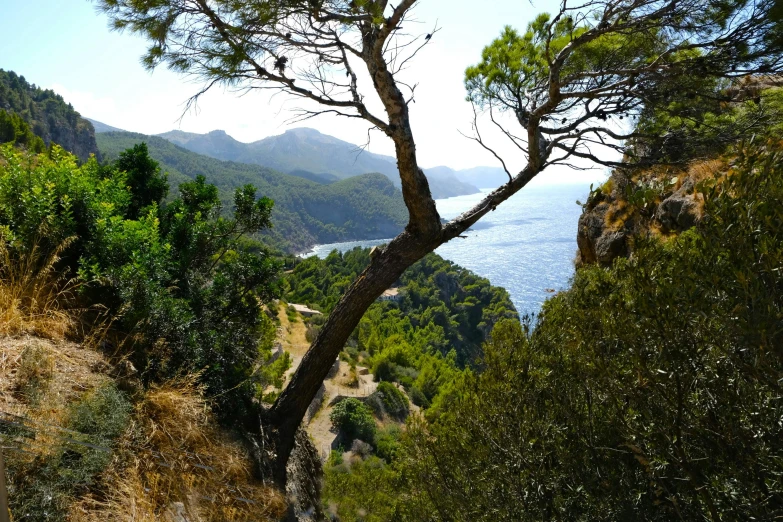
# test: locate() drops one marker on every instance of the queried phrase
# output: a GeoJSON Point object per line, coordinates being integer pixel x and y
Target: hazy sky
{"type": "Point", "coordinates": [66, 46]}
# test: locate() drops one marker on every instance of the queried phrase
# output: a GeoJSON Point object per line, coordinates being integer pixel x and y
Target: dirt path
{"type": "Point", "coordinates": [292, 337]}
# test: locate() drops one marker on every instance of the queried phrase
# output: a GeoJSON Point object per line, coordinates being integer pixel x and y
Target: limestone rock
{"type": "Point", "coordinates": [678, 212]}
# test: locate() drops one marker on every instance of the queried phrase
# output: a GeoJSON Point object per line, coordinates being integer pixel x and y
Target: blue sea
{"type": "Point", "coordinates": [527, 245]}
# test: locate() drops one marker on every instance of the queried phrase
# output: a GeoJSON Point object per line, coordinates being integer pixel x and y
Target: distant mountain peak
{"type": "Point", "coordinates": [305, 131]}
{"type": "Point", "coordinates": [311, 154]}
{"type": "Point", "coordinates": [103, 127]}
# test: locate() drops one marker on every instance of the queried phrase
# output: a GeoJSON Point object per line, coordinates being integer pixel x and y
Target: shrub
{"type": "Point", "coordinates": [418, 398]}
{"type": "Point", "coordinates": [387, 443]}
{"type": "Point", "coordinates": [353, 420]}
{"type": "Point", "coordinates": [391, 400]}
{"type": "Point", "coordinates": [648, 391]}
{"type": "Point", "coordinates": [179, 282]}
{"type": "Point", "coordinates": [291, 313]}
{"type": "Point", "coordinates": [361, 448]}
{"type": "Point", "coordinates": [311, 332]}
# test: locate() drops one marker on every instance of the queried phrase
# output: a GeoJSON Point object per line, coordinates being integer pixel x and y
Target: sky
{"type": "Point", "coordinates": [66, 45]}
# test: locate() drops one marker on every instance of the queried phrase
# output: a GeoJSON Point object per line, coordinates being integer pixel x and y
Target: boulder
{"type": "Point", "coordinates": [678, 212]}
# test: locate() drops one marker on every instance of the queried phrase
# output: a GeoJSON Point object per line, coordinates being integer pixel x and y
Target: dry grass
{"type": "Point", "coordinates": [74, 371]}
{"type": "Point", "coordinates": [702, 170]}
{"type": "Point", "coordinates": [35, 372]}
{"type": "Point", "coordinates": [177, 461]}
{"type": "Point", "coordinates": [34, 299]}
{"type": "Point", "coordinates": [618, 213]}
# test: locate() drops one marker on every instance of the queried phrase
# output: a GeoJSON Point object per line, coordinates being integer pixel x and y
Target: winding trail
{"type": "Point", "coordinates": [292, 337]}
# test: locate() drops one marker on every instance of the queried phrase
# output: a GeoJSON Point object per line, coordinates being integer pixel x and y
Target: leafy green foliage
{"type": "Point", "coordinates": [515, 65]}
{"type": "Point", "coordinates": [147, 184]}
{"type": "Point", "coordinates": [422, 341]}
{"type": "Point", "coordinates": [369, 491]}
{"type": "Point", "coordinates": [389, 400]}
{"type": "Point", "coordinates": [387, 443]}
{"type": "Point", "coordinates": [443, 306]}
{"type": "Point", "coordinates": [354, 420]}
{"type": "Point", "coordinates": [185, 289]}
{"type": "Point", "coordinates": [305, 213]}
{"type": "Point", "coordinates": [697, 121]}
{"type": "Point", "coordinates": [648, 391]}
{"type": "Point", "coordinates": [14, 130]}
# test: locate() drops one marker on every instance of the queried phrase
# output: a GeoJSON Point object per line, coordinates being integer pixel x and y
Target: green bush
{"type": "Point", "coordinates": [387, 443]}
{"type": "Point", "coordinates": [184, 286]}
{"type": "Point", "coordinates": [418, 398]}
{"type": "Point", "coordinates": [391, 400]}
{"type": "Point", "coordinates": [353, 420]}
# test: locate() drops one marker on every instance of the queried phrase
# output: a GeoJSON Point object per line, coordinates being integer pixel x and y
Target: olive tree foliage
{"type": "Point", "coordinates": [564, 81]}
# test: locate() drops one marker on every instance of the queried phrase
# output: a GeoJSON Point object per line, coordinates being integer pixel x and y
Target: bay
{"type": "Point", "coordinates": [527, 245]}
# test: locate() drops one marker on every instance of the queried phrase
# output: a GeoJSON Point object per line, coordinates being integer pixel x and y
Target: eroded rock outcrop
{"type": "Point", "coordinates": [626, 207]}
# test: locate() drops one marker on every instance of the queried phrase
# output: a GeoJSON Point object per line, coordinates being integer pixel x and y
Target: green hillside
{"type": "Point", "coordinates": [48, 115]}
{"type": "Point", "coordinates": [305, 213]}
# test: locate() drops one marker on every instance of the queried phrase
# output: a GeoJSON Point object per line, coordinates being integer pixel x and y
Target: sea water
{"type": "Point", "coordinates": [527, 245]}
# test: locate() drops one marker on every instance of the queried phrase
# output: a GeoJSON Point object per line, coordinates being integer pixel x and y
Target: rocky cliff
{"type": "Point", "coordinates": [658, 202]}
{"type": "Point", "coordinates": [48, 115]}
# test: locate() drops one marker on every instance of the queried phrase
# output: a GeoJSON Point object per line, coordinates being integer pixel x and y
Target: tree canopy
{"type": "Point", "coordinates": [564, 82]}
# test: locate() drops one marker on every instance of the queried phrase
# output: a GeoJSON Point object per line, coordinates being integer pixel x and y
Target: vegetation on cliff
{"type": "Point", "coordinates": [647, 391]}
{"type": "Point", "coordinates": [664, 200]}
{"type": "Point", "coordinates": [441, 306]}
{"type": "Point", "coordinates": [47, 114]}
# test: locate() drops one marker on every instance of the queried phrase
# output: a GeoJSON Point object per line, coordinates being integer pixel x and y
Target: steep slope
{"type": "Point", "coordinates": [309, 153]}
{"type": "Point", "coordinates": [48, 115]}
{"type": "Point", "coordinates": [306, 212]}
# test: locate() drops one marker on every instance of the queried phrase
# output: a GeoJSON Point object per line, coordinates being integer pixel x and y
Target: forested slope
{"type": "Point", "coordinates": [48, 115]}
{"type": "Point", "coordinates": [305, 212]}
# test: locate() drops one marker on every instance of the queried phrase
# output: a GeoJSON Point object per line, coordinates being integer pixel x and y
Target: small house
{"type": "Point", "coordinates": [392, 294]}
{"type": "Point", "coordinates": [305, 311]}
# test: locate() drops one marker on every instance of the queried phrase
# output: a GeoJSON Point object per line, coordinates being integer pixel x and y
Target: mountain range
{"type": "Point", "coordinates": [319, 157]}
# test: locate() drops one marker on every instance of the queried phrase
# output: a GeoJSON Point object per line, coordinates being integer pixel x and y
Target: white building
{"type": "Point", "coordinates": [304, 311]}
{"type": "Point", "coordinates": [392, 294]}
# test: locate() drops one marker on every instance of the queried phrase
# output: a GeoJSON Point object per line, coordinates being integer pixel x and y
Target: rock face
{"type": "Point", "coordinates": [611, 218]}
{"type": "Point", "coordinates": [305, 473]}
{"type": "Point", "coordinates": [75, 135]}
{"type": "Point", "coordinates": [597, 243]}
{"type": "Point", "coordinates": [678, 212]}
